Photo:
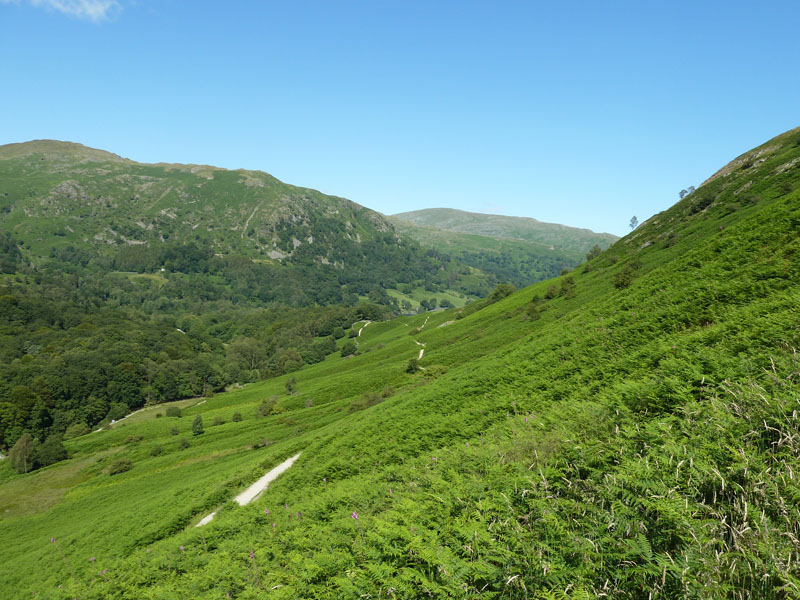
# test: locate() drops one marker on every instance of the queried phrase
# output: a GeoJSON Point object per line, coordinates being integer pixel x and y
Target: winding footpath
{"type": "Point", "coordinates": [255, 490]}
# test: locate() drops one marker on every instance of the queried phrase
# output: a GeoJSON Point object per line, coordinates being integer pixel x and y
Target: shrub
{"type": "Point", "coordinates": [173, 411]}
{"type": "Point", "coordinates": [266, 407]}
{"type": "Point", "coordinates": [120, 466]}
{"type": "Point", "coordinates": [551, 292]}
{"type": "Point", "coordinates": [501, 291]}
{"type": "Point", "coordinates": [132, 439]}
{"type": "Point", "coordinates": [594, 252]}
{"type": "Point", "coordinates": [184, 444]}
{"type": "Point", "coordinates": [156, 450]}
{"type": "Point", "coordinates": [349, 348]}
{"type": "Point", "coordinates": [309, 402]}
{"type": "Point", "coordinates": [174, 431]}
{"type": "Point", "coordinates": [237, 416]}
{"type": "Point", "coordinates": [117, 411]}
{"type": "Point", "coordinates": [624, 278]}
{"type": "Point", "coordinates": [291, 385]}
{"type": "Point", "coordinates": [412, 366]}
{"type": "Point", "coordinates": [76, 430]}
{"type": "Point", "coordinates": [218, 420]}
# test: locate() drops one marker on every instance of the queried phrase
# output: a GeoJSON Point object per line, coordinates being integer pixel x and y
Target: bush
{"type": "Point", "coordinates": [624, 278]}
{"type": "Point", "coordinates": [291, 385]}
{"type": "Point", "coordinates": [501, 291]}
{"type": "Point", "coordinates": [174, 431]}
{"type": "Point", "coordinates": [120, 466]}
{"type": "Point", "coordinates": [237, 416]}
{"type": "Point", "coordinates": [349, 348]}
{"type": "Point", "coordinates": [156, 450]}
{"type": "Point", "coordinates": [266, 407]}
{"type": "Point", "coordinates": [412, 366]}
{"type": "Point", "coordinates": [218, 421]}
{"type": "Point", "coordinates": [76, 430]}
{"type": "Point", "coordinates": [173, 411]}
{"type": "Point", "coordinates": [594, 252]}
{"type": "Point", "coordinates": [132, 439]}
{"type": "Point", "coordinates": [184, 444]}
{"type": "Point", "coordinates": [117, 411]}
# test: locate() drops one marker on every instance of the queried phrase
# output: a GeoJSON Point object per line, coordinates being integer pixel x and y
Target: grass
{"type": "Point", "coordinates": [621, 441]}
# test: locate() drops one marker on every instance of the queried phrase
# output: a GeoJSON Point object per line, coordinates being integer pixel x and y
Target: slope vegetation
{"type": "Point", "coordinates": [559, 237]}
{"type": "Point", "coordinates": [627, 430]}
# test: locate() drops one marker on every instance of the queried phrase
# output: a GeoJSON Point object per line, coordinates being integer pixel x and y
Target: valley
{"type": "Point", "coordinates": [625, 428]}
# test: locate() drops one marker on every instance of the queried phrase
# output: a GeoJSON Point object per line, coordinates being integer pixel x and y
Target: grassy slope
{"type": "Point", "coordinates": [627, 441]}
{"type": "Point", "coordinates": [561, 237]}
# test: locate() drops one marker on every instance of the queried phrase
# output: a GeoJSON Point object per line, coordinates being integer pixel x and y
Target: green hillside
{"type": "Point", "coordinates": [548, 235]}
{"type": "Point", "coordinates": [628, 430]}
{"type": "Point", "coordinates": [66, 203]}
{"type": "Point", "coordinates": [509, 260]}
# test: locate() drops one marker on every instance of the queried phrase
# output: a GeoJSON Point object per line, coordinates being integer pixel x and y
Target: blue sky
{"type": "Point", "coordinates": [583, 113]}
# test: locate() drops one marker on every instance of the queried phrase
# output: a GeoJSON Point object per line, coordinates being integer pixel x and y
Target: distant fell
{"type": "Point", "coordinates": [560, 237]}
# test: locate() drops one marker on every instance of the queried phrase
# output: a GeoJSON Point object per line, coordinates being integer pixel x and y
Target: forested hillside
{"type": "Point", "coordinates": [514, 261]}
{"type": "Point", "coordinates": [627, 430]}
{"type": "Point", "coordinates": [123, 283]}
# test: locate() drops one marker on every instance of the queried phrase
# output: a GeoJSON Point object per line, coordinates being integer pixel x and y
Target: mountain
{"type": "Point", "coordinates": [510, 260]}
{"type": "Point", "coordinates": [626, 430]}
{"type": "Point", "coordinates": [63, 199]}
{"type": "Point", "coordinates": [549, 235]}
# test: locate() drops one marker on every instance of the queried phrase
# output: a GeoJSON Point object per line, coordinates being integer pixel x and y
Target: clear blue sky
{"type": "Point", "coordinates": [583, 113]}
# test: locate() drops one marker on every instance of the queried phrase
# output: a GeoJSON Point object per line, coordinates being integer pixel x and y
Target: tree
{"type": "Point", "coordinates": [413, 366]}
{"type": "Point", "coordinates": [349, 348]}
{"type": "Point", "coordinates": [21, 455]}
{"type": "Point", "coordinates": [634, 222]}
{"type": "Point", "coordinates": [50, 452]}
{"type": "Point", "coordinates": [291, 385]}
{"type": "Point", "coordinates": [682, 194]}
{"type": "Point", "coordinates": [197, 425]}
{"type": "Point", "coordinates": [594, 252]}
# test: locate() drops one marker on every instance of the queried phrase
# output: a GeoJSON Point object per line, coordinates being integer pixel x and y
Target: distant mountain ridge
{"type": "Point", "coordinates": [560, 237]}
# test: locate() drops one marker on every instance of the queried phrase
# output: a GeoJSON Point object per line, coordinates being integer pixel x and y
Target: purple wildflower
{"type": "Point", "coordinates": [52, 540]}
{"type": "Point", "coordinates": [252, 555]}
{"type": "Point", "coordinates": [148, 549]}
{"type": "Point", "coordinates": [266, 511]}
{"type": "Point", "coordinates": [467, 444]}
{"type": "Point", "coordinates": [91, 559]}
{"type": "Point", "coordinates": [526, 419]}
{"type": "Point", "coordinates": [182, 548]}
{"type": "Point", "coordinates": [273, 525]}
{"type": "Point", "coordinates": [354, 515]}
{"type": "Point", "coordinates": [286, 506]}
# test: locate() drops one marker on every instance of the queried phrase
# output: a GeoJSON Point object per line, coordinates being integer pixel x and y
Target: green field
{"type": "Point", "coordinates": [627, 430]}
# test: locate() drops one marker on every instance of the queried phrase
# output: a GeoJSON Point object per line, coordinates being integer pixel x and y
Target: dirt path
{"type": "Point", "coordinates": [362, 328]}
{"type": "Point", "coordinates": [255, 490]}
{"type": "Point", "coordinates": [421, 351]}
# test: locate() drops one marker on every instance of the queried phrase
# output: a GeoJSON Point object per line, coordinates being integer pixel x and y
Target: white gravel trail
{"type": "Point", "coordinates": [255, 490]}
